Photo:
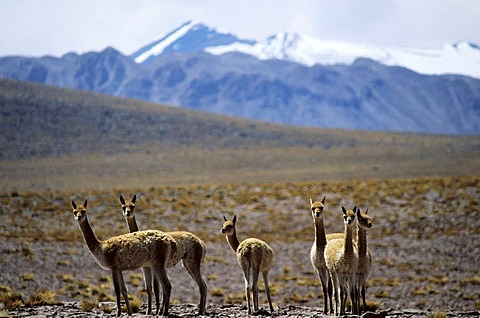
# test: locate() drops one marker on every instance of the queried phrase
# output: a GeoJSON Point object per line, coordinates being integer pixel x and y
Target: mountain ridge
{"type": "Point", "coordinates": [365, 95]}
{"type": "Point", "coordinates": [461, 57]}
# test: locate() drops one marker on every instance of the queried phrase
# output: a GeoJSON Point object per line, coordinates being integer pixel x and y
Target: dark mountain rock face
{"type": "Point", "coordinates": [365, 95]}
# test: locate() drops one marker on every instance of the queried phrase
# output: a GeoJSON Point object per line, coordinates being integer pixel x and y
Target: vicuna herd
{"type": "Point", "coordinates": [341, 261]}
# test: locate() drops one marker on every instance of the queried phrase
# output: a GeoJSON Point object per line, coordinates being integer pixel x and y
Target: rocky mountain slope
{"type": "Point", "coordinates": [199, 68]}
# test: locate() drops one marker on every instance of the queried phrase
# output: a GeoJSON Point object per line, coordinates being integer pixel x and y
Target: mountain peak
{"type": "Point", "coordinates": [461, 57]}
{"type": "Point", "coordinates": [188, 37]}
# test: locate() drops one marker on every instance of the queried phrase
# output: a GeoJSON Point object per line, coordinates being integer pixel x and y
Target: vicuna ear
{"type": "Point", "coordinates": [234, 219]}
{"type": "Point", "coordinates": [134, 198]}
{"type": "Point", "coordinates": [85, 204]}
{"type": "Point", "coordinates": [355, 209]}
{"type": "Point", "coordinates": [366, 212]}
{"type": "Point", "coordinates": [311, 202]}
{"type": "Point", "coordinates": [224, 218]}
{"type": "Point", "coordinates": [122, 200]}
{"type": "Point", "coordinates": [74, 205]}
{"type": "Point", "coordinates": [344, 210]}
{"type": "Point", "coordinates": [323, 201]}
{"type": "Point", "coordinates": [358, 213]}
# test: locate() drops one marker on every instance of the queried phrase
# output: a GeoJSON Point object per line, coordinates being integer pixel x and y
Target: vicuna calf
{"type": "Point", "coordinates": [341, 260]}
{"type": "Point", "coordinates": [254, 256]}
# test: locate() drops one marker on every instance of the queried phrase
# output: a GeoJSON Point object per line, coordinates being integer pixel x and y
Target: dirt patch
{"type": "Point", "coordinates": [425, 244]}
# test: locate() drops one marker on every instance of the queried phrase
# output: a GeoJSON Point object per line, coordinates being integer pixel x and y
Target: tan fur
{"type": "Point", "coordinates": [341, 261]}
{"type": "Point", "coordinates": [189, 249]}
{"type": "Point", "coordinates": [332, 236]}
{"type": "Point", "coordinates": [364, 256]}
{"type": "Point", "coordinates": [149, 249]}
{"type": "Point", "coordinates": [317, 253]}
{"type": "Point", "coordinates": [255, 257]}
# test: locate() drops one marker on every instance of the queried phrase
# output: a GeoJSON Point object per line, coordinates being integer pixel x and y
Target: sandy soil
{"type": "Point", "coordinates": [425, 241]}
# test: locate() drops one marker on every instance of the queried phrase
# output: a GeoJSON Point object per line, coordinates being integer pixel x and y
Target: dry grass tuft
{"type": "Point", "coordinates": [236, 298]}
{"type": "Point", "coordinates": [217, 292]}
{"type": "Point", "coordinates": [438, 314]}
{"type": "Point", "coordinates": [372, 305]}
{"type": "Point", "coordinates": [89, 305]}
{"type": "Point", "coordinates": [135, 304]}
{"type": "Point", "coordinates": [11, 299]}
{"type": "Point", "coordinates": [28, 277]}
{"type": "Point", "coordinates": [43, 297]}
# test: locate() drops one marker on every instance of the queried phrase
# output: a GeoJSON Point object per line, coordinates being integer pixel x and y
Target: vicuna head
{"type": "Point", "coordinates": [349, 215]}
{"type": "Point", "coordinates": [79, 211]}
{"type": "Point", "coordinates": [363, 219]}
{"type": "Point", "coordinates": [128, 207]}
{"type": "Point", "coordinates": [317, 208]}
{"type": "Point", "coordinates": [228, 227]}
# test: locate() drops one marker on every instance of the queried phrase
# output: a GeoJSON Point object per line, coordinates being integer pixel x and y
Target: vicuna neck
{"type": "Point", "coordinates": [132, 224]}
{"type": "Point", "coordinates": [320, 237]}
{"type": "Point", "coordinates": [233, 241]}
{"type": "Point", "coordinates": [92, 241]}
{"type": "Point", "coordinates": [361, 241]}
{"type": "Point", "coordinates": [348, 239]}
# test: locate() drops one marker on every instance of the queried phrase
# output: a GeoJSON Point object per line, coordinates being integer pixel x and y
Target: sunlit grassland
{"type": "Point", "coordinates": [188, 169]}
{"type": "Point", "coordinates": [156, 166]}
{"type": "Point", "coordinates": [419, 238]}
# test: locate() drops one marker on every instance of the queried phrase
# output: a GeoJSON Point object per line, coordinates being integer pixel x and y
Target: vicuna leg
{"type": "Point", "coordinates": [363, 297]}
{"type": "Point", "coordinates": [330, 294]}
{"type": "Point", "coordinates": [353, 292]}
{"type": "Point", "coordinates": [362, 305]}
{"type": "Point", "coordinates": [267, 290]}
{"type": "Point", "coordinates": [246, 277]}
{"type": "Point", "coordinates": [147, 276]}
{"type": "Point", "coordinates": [336, 290]}
{"type": "Point", "coordinates": [161, 275]}
{"type": "Point", "coordinates": [324, 278]}
{"type": "Point", "coordinates": [156, 291]}
{"type": "Point", "coordinates": [193, 268]}
{"type": "Point", "coordinates": [120, 289]}
{"type": "Point", "coordinates": [255, 275]}
{"type": "Point", "coordinates": [343, 292]}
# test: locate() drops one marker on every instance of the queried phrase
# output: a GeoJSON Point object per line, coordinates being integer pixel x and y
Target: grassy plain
{"type": "Point", "coordinates": [61, 139]}
{"type": "Point", "coordinates": [188, 169]}
{"type": "Point", "coordinates": [198, 165]}
{"type": "Point", "coordinates": [424, 239]}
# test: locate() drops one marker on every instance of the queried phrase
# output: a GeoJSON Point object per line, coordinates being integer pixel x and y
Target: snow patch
{"type": "Point", "coordinates": [160, 47]}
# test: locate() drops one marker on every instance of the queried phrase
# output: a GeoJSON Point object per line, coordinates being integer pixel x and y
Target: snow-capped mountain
{"type": "Point", "coordinates": [288, 78]}
{"type": "Point", "coordinates": [459, 58]}
{"type": "Point", "coordinates": [189, 37]}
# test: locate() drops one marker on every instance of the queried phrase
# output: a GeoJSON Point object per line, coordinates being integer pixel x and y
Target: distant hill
{"type": "Point", "coordinates": [57, 138]}
{"type": "Point", "coordinates": [44, 121]}
{"type": "Point", "coordinates": [362, 94]}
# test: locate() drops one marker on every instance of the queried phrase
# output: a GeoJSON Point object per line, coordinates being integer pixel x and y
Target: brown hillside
{"type": "Point", "coordinates": [50, 133]}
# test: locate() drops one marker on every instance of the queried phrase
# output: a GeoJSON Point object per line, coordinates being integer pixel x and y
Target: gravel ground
{"type": "Point", "coordinates": [425, 244]}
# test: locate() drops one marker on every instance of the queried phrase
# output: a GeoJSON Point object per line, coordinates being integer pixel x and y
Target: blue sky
{"type": "Point", "coordinates": [55, 27]}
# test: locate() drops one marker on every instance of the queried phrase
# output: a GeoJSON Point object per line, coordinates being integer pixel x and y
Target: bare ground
{"type": "Point", "coordinates": [425, 242]}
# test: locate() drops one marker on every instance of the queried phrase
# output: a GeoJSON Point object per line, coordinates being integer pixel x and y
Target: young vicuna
{"type": "Point", "coordinates": [149, 249]}
{"type": "Point", "coordinates": [254, 256]}
{"type": "Point", "coordinates": [190, 249]}
{"type": "Point", "coordinates": [364, 255]}
{"type": "Point", "coordinates": [317, 254]}
{"type": "Point", "coordinates": [341, 260]}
